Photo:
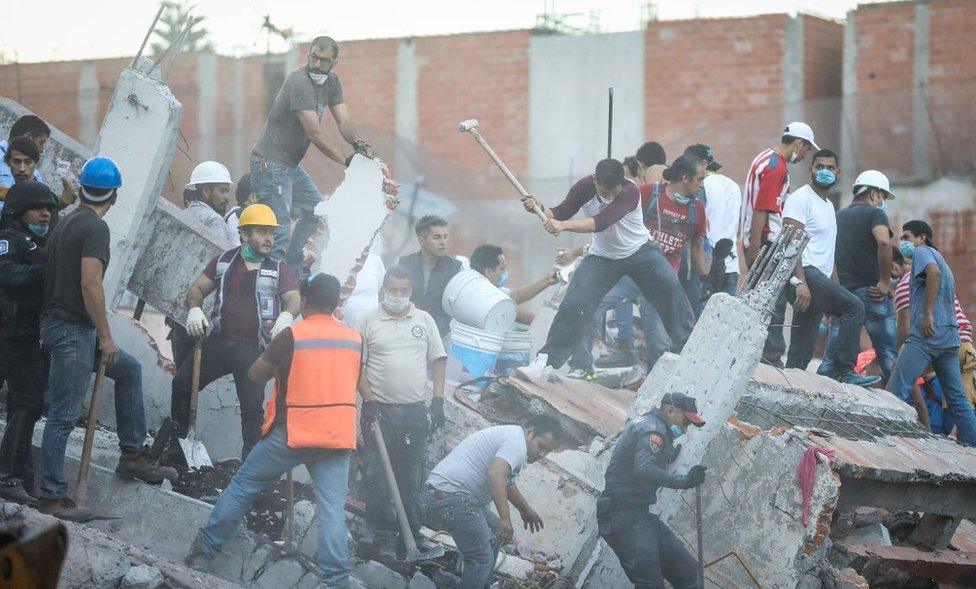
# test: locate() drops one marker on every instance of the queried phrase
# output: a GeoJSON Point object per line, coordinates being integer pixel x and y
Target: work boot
{"type": "Point", "coordinates": [14, 489]}
{"type": "Point", "coordinates": [65, 508]}
{"type": "Point", "coordinates": [622, 357]}
{"type": "Point", "coordinates": [861, 380]}
{"type": "Point", "coordinates": [197, 558]}
{"type": "Point", "coordinates": [139, 466]}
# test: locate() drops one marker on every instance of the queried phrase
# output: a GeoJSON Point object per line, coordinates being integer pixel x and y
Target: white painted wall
{"type": "Point", "coordinates": [568, 81]}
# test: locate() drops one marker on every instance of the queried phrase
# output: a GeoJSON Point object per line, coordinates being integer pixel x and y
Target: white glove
{"type": "Point", "coordinates": [284, 320]}
{"type": "Point", "coordinates": [196, 323]}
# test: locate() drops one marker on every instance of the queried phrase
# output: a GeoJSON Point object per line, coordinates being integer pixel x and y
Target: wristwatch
{"type": "Point", "coordinates": [795, 281]}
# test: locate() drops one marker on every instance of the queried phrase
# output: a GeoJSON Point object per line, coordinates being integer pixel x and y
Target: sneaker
{"type": "Point", "coordinates": [65, 508]}
{"type": "Point", "coordinates": [859, 379]}
{"type": "Point", "coordinates": [197, 558]}
{"type": "Point", "coordinates": [139, 466]}
{"type": "Point", "coordinates": [620, 358]}
{"type": "Point", "coordinates": [538, 372]}
{"type": "Point", "coordinates": [581, 374]}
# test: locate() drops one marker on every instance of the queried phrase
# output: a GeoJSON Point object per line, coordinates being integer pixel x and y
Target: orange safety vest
{"type": "Point", "coordinates": [320, 399]}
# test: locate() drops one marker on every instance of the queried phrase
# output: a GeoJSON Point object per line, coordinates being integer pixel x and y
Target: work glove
{"type": "Point", "coordinates": [437, 419]}
{"type": "Point", "coordinates": [695, 476]}
{"type": "Point", "coordinates": [368, 416]}
{"type": "Point", "coordinates": [196, 323]}
{"type": "Point", "coordinates": [284, 320]}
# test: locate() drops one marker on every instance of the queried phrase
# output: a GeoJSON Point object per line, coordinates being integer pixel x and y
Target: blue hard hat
{"type": "Point", "coordinates": [100, 172]}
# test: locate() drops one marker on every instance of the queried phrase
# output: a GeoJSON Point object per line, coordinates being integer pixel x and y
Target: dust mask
{"type": "Point", "coordinates": [395, 304]}
{"type": "Point", "coordinates": [825, 178]}
{"type": "Point", "coordinates": [38, 230]}
{"type": "Point", "coordinates": [318, 79]}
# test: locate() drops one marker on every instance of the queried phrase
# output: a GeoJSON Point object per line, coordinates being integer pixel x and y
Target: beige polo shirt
{"type": "Point", "coordinates": [398, 351]}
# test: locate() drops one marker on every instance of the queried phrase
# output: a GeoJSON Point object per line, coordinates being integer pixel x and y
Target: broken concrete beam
{"type": "Point", "coordinates": [97, 559]}
{"type": "Point", "coordinates": [175, 249]}
{"type": "Point", "coordinates": [354, 215]}
{"type": "Point", "coordinates": [139, 133]}
{"type": "Point", "coordinates": [955, 569]}
{"type": "Point", "coordinates": [596, 409]}
{"type": "Point", "coordinates": [934, 532]}
{"type": "Point", "coordinates": [62, 157]}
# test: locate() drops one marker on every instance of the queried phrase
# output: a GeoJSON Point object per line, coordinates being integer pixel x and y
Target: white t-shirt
{"type": "Point", "coordinates": [465, 469]}
{"type": "Point", "coordinates": [819, 220]}
{"type": "Point", "coordinates": [621, 239]}
{"type": "Point", "coordinates": [364, 299]}
{"type": "Point", "coordinates": [723, 199]}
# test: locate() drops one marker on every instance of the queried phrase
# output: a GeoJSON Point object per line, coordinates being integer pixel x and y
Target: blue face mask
{"type": "Point", "coordinates": [503, 279]}
{"type": "Point", "coordinates": [825, 178]}
{"type": "Point", "coordinates": [681, 200]}
{"type": "Point", "coordinates": [884, 206]}
{"type": "Point", "coordinates": [907, 249]}
{"type": "Point", "coordinates": [675, 431]}
{"type": "Point", "coordinates": [38, 230]}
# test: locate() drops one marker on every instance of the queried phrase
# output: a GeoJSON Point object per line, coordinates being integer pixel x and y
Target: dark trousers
{"type": "Point", "coordinates": [830, 298]}
{"type": "Point", "coordinates": [775, 345]}
{"type": "Point", "coordinates": [25, 365]}
{"type": "Point", "coordinates": [221, 357]}
{"type": "Point", "coordinates": [650, 552]}
{"type": "Point", "coordinates": [405, 428]}
{"type": "Point", "coordinates": [182, 343]}
{"type": "Point", "coordinates": [594, 278]}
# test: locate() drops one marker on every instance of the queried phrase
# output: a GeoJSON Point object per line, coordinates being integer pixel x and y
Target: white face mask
{"type": "Point", "coordinates": [395, 304]}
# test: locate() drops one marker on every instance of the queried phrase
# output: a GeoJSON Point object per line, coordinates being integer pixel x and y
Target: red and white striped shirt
{"type": "Point", "coordinates": [767, 185]}
{"type": "Point", "coordinates": [903, 293]}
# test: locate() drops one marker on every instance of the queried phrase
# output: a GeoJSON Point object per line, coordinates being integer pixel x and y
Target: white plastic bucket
{"type": "Point", "coordinates": [473, 352]}
{"type": "Point", "coordinates": [472, 300]}
{"type": "Point", "coordinates": [516, 351]}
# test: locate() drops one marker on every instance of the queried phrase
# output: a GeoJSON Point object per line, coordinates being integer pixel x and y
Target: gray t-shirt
{"type": "Point", "coordinates": [282, 138]}
{"type": "Point", "coordinates": [465, 469]}
{"type": "Point", "coordinates": [943, 312]}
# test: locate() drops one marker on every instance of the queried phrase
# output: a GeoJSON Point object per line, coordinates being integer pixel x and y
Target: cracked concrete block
{"type": "Point", "coordinates": [421, 581]}
{"type": "Point", "coordinates": [254, 563]}
{"type": "Point", "coordinates": [282, 573]}
{"type": "Point", "coordinates": [873, 535]}
{"type": "Point", "coordinates": [372, 574]}
{"type": "Point", "coordinates": [142, 577]}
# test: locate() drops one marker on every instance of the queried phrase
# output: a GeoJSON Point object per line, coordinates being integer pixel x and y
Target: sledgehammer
{"type": "Point", "coordinates": [471, 126]}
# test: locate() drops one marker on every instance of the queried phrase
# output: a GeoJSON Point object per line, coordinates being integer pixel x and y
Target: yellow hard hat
{"type": "Point", "coordinates": [258, 215]}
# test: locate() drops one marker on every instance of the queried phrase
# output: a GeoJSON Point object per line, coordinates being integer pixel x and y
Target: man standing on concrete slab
{"type": "Point", "coordinates": [767, 185]}
{"type": "Point", "coordinates": [257, 297]}
{"type": "Point", "coordinates": [30, 206]}
{"type": "Point", "coordinates": [723, 202]}
{"type": "Point", "coordinates": [934, 335]}
{"type": "Point", "coordinates": [311, 420]}
{"type": "Point", "coordinates": [480, 471]}
{"type": "Point", "coordinates": [648, 550]}
{"type": "Point", "coordinates": [864, 267]}
{"type": "Point", "coordinates": [622, 246]}
{"type": "Point", "coordinates": [431, 269]}
{"type": "Point", "coordinates": [207, 195]}
{"type": "Point", "coordinates": [401, 344]}
{"type": "Point", "coordinates": [74, 326]}
{"type": "Point", "coordinates": [294, 123]}
{"type": "Point", "coordinates": [811, 290]}
{"type": "Point", "coordinates": [489, 261]}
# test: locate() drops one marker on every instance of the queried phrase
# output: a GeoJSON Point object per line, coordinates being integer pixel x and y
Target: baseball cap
{"type": "Point", "coordinates": [704, 152]}
{"type": "Point", "coordinates": [687, 406]}
{"type": "Point", "coordinates": [801, 130]}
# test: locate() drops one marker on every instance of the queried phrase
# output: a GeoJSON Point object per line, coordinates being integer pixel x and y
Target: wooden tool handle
{"type": "Point", "coordinates": [81, 486]}
{"type": "Point", "coordinates": [508, 173]}
{"type": "Point", "coordinates": [195, 384]}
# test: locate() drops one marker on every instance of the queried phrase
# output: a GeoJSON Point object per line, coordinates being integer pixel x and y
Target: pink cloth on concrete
{"type": "Point", "coordinates": [805, 472]}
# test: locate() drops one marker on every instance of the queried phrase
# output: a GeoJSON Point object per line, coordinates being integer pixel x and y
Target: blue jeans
{"type": "Point", "coordinates": [912, 360]}
{"type": "Point", "coordinates": [72, 351]}
{"type": "Point", "coordinates": [594, 278]}
{"type": "Point", "coordinates": [826, 297]}
{"type": "Point", "coordinates": [474, 529]}
{"type": "Point", "coordinates": [270, 459]}
{"type": "Point", "coordinates": [879, 320]}
{"type": "Point", "coordinates": [621, 298]}
{"type": "Point", "coordinates": [290, 192]}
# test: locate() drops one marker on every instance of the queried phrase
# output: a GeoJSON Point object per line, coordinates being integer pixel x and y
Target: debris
{"type": "Point", "coordinates": [142, 577]}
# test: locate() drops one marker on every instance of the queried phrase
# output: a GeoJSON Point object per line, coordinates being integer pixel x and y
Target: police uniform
{"type": "Point", "coordinates": [22, 263]}
{"type": "Point", "coordinates": [648, 550]}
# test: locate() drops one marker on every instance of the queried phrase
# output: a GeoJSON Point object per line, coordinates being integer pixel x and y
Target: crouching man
{"type": "Point", "coordinates": [311, 420]}
{"type": "Point", "coordinates": [482, 470]}
{"type": "Point", "coordinates": [648, 550]}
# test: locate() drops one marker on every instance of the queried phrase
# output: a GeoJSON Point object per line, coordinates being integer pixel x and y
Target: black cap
{"type": "Point", "coordinates": [687, 406]}
{"type": "Point", "coordinates": [705, 153]}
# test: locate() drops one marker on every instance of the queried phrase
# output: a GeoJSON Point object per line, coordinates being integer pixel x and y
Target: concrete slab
{"type": "Point", "coordinates": [595, 407]}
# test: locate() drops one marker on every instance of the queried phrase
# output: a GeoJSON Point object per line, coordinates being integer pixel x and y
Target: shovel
{"type": "Point", "coordinates": [414, 555]}
{"type": "Point", "coordinates": [81, 486]}
{"type": "Point", "coordinates": [195, 453]}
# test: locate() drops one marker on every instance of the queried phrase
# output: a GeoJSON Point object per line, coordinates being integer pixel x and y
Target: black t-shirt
{"type": "Point", "coordinates": [857, 250]}
{"type": "Point", "coordinates": [81, 234]}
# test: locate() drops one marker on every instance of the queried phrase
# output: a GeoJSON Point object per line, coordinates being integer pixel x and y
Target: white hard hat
{"type": "Point", "coordinates": [873, 179]}
{"type": "Point", "coordinates": [209, 173]}
{"type": "Point", "coordinates": [801, 131]}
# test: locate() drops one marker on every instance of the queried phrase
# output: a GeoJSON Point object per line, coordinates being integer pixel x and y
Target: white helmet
{"type": "Point", "coordinates": [872, 179]}
{"type": "Point", "coordinates": [209, 173]}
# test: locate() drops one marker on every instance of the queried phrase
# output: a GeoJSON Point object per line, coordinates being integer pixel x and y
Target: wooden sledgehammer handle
{"type": "Point", "coordinates": [81, 486]}
{"type": "Point", "coordinates": [501, 166]}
